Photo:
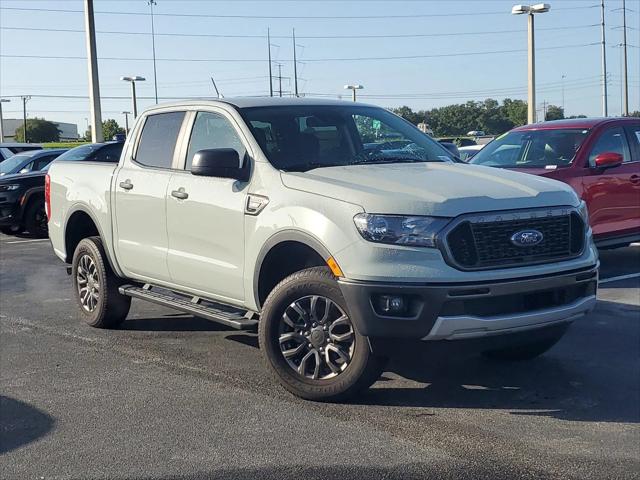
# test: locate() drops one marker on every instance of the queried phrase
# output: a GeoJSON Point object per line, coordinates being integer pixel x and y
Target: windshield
{"type": "Point", "coordinates": [532, 148]}
{"type": "Point", "coordinates": [12, 163]}
{"type": "Point", "coordinates": [299, 138]}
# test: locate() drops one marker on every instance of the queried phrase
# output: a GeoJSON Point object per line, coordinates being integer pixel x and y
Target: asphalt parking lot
{"type": "Point", "coordinates": [171, 396]}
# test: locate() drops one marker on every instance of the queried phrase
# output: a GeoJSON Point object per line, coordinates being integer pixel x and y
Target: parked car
{"type": "Point", "coordinates": [475, 133]}
{"type": "Point", "coordinates": [29, 161]}
{"type": "Point", "coordinates": [9, 149]}
{"type": "Point", "coordinates": [452, 147]}
{"type": "Point", "coordinates": [269, 212]}
{"type": "Point", "coordinates": [22, 195]}
{"type": "Point", "coordinates": [467, 153]}
{"type": "Point", "coordinates": [598, 157]}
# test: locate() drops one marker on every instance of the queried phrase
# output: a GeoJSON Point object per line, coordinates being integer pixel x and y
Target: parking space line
{"type": "Point", "coordinates": [28, 241]}
{"type": "Point", "coordinates": [620, 277]}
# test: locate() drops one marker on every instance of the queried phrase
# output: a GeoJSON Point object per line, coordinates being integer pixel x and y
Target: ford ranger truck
{"type": "Point", "coordinates": [297, 216]}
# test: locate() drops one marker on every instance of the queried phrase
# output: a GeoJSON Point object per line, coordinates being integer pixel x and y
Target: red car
{"type": "Point", "coordinates": [598, 157]}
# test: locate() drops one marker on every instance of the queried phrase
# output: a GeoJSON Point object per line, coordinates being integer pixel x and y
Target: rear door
{"type": "Point", "coordinates": [205, 215]}
{"type": "Point", "coordinates": [140, 192]}
{"type": "Point", "coordinates": [612, 194]}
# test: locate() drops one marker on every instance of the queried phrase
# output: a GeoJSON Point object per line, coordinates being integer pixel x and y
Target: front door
{"type": "Point", "coordinates": [611, 194]}
{"type": "Point", "coordinates": [140, 192]}
{"type": "Point", "coordinates": [205, 217]}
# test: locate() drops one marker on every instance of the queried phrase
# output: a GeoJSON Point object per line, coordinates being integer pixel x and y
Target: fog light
{"type": "Point", "coordinates": [391, 304]}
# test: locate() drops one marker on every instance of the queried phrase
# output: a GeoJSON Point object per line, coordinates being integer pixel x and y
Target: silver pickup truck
{"type": "Point", "coordinates": [334, 228]}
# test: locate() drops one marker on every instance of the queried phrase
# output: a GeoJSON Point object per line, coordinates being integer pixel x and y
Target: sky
{"type": "Point", "coordinates": [420, 53]}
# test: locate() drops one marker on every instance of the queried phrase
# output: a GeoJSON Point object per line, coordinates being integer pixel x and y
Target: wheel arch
{"type": "Point", "coordinates": [29, 196]}
{"type": "Point", "coordinates": [282, 254]}
{"type": "Point", "coordinates": [81, 223]}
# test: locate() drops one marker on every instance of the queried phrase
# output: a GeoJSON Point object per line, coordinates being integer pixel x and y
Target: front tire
{"type": "Point", "coordinates": [309, 341]}
{"type": "Point", "coordinates": [96, 287]}
{"type": "Point", "coordinates": [12, 230]}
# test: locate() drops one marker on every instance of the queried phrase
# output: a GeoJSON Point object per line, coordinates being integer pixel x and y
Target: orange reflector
{"type": "Point", "coordinates": [333, 265]}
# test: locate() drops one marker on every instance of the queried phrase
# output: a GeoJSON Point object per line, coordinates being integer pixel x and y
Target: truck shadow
{"type": "Point", "coordinates": [21, 424]}
{"type": "Point", "coordinates": [178, 322]}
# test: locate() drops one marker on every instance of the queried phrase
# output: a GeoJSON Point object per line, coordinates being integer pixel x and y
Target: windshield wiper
{"type": "Point", "coordinates": [305, 167]}
{"type": "Point", "coordinates": [392, 160]}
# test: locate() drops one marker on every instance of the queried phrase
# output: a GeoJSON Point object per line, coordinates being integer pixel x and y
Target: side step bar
{"type": "Point", "coordinates": [215, 312]}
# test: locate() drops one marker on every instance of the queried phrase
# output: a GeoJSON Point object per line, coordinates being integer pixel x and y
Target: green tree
{"type": "Point", "coordinates": [515, 111]}
{"type": "Point", "coordinates": [554, 113]}
{"type": "Point", "coordinates": [635, 113]}
{"type": "Point", "coordinates": [109, 128]}
{"type": "Point", "coordinates": [38, 130]}
{"type": "Point", "coordinates": [408, 114]}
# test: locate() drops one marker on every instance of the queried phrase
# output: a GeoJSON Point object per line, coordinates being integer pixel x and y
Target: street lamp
{"type": "Point", "coordinates": [530, 10]}
{"type": "Point", "coordinates": [133, 80]}
{"type": "Point", "coordinates": [2, 100]}
{"type": "Point", "coordinates": [126, 122]}
{"type": "Point", "coordinates": [353, 89]}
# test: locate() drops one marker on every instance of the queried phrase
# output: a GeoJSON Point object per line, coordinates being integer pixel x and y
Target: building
{"type": "Point", "coordinates": [68, 131]}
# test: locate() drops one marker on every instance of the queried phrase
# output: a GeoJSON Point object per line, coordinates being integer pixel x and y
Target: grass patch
{"type": "Point", "coordinates": [63, 144]}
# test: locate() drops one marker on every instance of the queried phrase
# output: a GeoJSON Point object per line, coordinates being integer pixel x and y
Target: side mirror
{"type": "Point", "coordinates": [218, 162]}
{"type": "Point", "coordinates": [608, 160]}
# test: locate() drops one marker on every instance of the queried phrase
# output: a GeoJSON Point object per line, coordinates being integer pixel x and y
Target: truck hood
{"type": "Point", "coordinates": [431, 188]}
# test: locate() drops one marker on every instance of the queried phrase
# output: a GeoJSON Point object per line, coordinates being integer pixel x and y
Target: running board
{"type": "Point", "coordinates": [223, 314]}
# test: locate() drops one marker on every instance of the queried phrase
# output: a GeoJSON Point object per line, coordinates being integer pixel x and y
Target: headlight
{"type": "Point", "coordinates": [9, 188]}
{"type": "Point", "coordinates": [399, 230]}
{"type": "Point", "coordinates": [584, 211]}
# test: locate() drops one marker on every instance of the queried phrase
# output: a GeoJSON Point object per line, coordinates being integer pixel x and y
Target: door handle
{"type": "Point", "coordinates": [127, 185]}
{"type": "Point", "coordinates": [634, 178]}
{"type": "Point", "coordinates": [180, 194]}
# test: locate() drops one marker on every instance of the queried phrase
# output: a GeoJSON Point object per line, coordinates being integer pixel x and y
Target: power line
{"type": "Point", "coordinates": [308, 60]}
{"type": "Point", "coordinates": [295, 17]}
{"type": "Point", "coordinates": [299, 37]}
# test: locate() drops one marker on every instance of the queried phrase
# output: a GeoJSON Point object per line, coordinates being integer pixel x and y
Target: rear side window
{"type": "Point", "coordinates": [611, 141]}
{"type": "Point", "coordinates": [109, 153]}
{"type": "Point", "coordinates": [42, 162]}
{"type": "Point", "coordinates": [158, 139]}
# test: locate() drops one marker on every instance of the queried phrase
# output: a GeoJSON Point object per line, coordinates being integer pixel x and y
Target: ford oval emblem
{"type": "Point", "coordinates": [527, 238]}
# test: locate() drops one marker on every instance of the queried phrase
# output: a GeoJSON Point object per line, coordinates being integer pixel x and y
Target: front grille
{"type": "Point", "coordinates": [486, 244]}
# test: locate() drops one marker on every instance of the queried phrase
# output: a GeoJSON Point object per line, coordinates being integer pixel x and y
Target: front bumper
{"type": "Point", "coordinates": [471, 310]}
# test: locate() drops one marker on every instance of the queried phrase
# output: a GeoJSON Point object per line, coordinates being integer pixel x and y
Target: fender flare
{"type": "Point", "coordinates": [280, 237]}
{"type": "Point", "coordinates": [78, 207]}
{"type": "Point", "coordinates": [28, 195]}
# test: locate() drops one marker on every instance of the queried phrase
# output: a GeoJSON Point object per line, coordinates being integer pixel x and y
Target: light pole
{"type": "Point", "coordinates": [153, 48]}
{"type": "Point", "coordinates": [133, 79]}
{"type": "Point", "coordinates": [530, 10]}
{"type": "Point", "coordinates": [2, 100]}
{"type": "Point", "coordinates": [126, 122]}
{"type": "Point", "coordinates": [353, 89]}
{"type": "Point", "coordinates": [92, 65]}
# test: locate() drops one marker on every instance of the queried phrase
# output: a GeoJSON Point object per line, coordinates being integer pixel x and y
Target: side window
{"type": "Point", "coordinates": [611, 141]}
{"type": "Point", "coordinates": [27, 168]}
{"type": "Point", "coordinates": [158, 140]}
{"type": "Point", "coordinates": [633, 134]}
{"type": "Point", "coordinates": [109, 153]}
{"type": "Point", "coordinates": [211, 130]}
{"type": "Point", "coordinates": [42, 162]}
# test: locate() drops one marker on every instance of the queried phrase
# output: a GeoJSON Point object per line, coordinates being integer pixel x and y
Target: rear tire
{"type": "Point", "coordinates": [35, 218]}
{"type": "Point", "coordinates": [95, 286]}
{"type": "Point", "coordinates": [526, 351]}
{"type": "Point", "coordinates": [339, 362]}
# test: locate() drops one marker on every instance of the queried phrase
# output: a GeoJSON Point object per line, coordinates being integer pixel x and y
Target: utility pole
{"type": "Point", "coordinates": [2, 100]}
{"type": "Point", "coordinates": [126, 122]}
{"type": "Point", "coordinates": [563, 77]}
{"type": "Point", "coordinates": [625, 79]}
{"type": "Point", "coordinates": [295, 64]}
{"type": "Point", "coordinates": [270, 72]}
{"type": "Point", "coordinates": [280, 79]}
{"type": "Point", "coordinates": [605, 108]}
{"type": "Point", "coordinates": [153, 48]}
{"type": "Point", "coordinates": [25, 99]}
{"type": "Point", "coordinates": [92, 64]}
{"type": "Point", "coordinates": [531, 116]}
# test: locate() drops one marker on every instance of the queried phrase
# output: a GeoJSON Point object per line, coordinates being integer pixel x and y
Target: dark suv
{"type": "Point", "coordinates": [22, 195]}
